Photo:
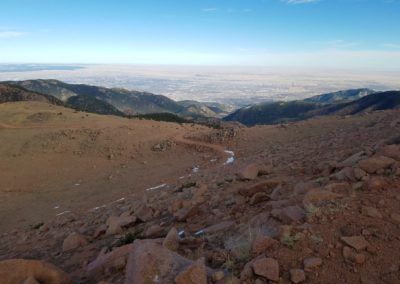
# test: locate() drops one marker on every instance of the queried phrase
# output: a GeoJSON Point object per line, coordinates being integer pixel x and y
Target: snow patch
{"type": "Point", "coordinates": [62, 213]}
{"type": "Point", "coordinates": [231, 159]}
{"type": "Point", "coordinates": [157, 187]}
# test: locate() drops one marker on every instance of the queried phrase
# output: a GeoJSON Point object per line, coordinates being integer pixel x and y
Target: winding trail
{"type": "Point", "coordinates": [222, 151]}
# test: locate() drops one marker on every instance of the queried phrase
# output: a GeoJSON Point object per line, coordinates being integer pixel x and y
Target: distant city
{"type": "Point", "coordinates": [237, 86]}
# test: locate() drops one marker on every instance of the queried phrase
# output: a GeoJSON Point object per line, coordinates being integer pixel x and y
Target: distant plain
{"type": "Point", "coordinates": [238, 86]}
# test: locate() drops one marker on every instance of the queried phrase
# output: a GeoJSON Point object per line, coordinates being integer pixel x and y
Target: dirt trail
{"type": "Point", "coordinates": [180, 138]}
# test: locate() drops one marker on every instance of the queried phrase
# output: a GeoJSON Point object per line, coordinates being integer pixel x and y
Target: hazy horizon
{"type": "Point", "coordinates": [233, 85]}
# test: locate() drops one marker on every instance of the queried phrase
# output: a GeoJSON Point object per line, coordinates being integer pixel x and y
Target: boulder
{"type": "Point", "coordinates": [359, 173]}
{"type": "Point", "coordinates": [353, 160]}
{"type": "Point", "coordinates": [371, 212]}
{"type": "Point", "coordinates": [374, 164]}
{"type": "Point", "coordinates": [391, 151]}
{"type": "Point", "coordinates": [100, 231]}
{"type": "Point", "coordinates": [106, 262]}
{"type": "Point", "coordinates": [114, 228]}
{"type": "Point", "coordinates": [266, 267]}
{"type": "Point", "coordinates": [74, 241]}
{"type": "Point", "coordinates": [395, 217]}
{"type": "Point", "coordinates": [31, 280]}
{"type": "Point", "coordinates": [303, 187]}
{"type": "Point", "coordinates": [376, 183]}
{"type": "Point", "coordinates": [356, 242]}
{"type": "Point", "coordinates": [265, 169]}
{"type": "Point", "coordinates": [312, 262]}
{"type": "Point", "coordinates": [297, 275]}
{"type": "Point", "coordinates": [186, 212]}
{"type": "Point", "coordinates": [171, 241]}
{"type": "Point", "coordinates": [194, 274]}
{"type": "Point", "coordinates": [292, 214]}
{"type": "Point", "coordinates": [265, 187]}
{"type": "Point", "coordinates": [317, 196]}
{"type": "Point", "coordinates": [262, 243]}
{"type": "Point", "coordinates": [258, 198]}
{"type": "Point", "coordinates": [346, 174]}
{"type": "Point", "coordinates": [150, 262]}
{"type": "Point", "coordinates": [350, 255]}
{"type": "Point", "coordinates": [249, 172]}
{"type": "Point", "coordinates": [154, 231]}
{"type": "Point", "coordinates": [144, 213]}
{"type": "Point", "coordinates": [20, 270]}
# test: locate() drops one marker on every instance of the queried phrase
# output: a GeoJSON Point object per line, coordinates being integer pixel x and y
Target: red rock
{"type": "Point", "coordinates": [19, 270]}
{"type": "Point", "coordinates": [154, 231]}
{"type": "Point", "coordinates": [293, 214]}
{"type": "Point", "coordinates": [265, 169]}
{"type": "Point", "coordinates": [357, 242]}
{"type": "Point", "coordinates": [297, 275]}
{"type": "Point", "coordinates": [312, 262]}
{"type": "Point", "coordinates": [352, 160]}
{"type": "Point", "coordinates": [250, 172]}
{"type": "Point", "coordinates": [391, 151]}
{"type": "Point", "coordinates": [265, 187]}
{"type": "Point", "coordinates": [266, 267]}
{"type": "Point", "coordinates": [194, 274]}
{"type": "Point", "coordinates": [114, 228]}
{"type": "Point", "coordinates": [31, 280]}
{"type": "Point", "coordinates": [376, 183]}
{"type": "Point", "coordinates": [74, 241]}
{"type": "Point", "coordinates": [263, 243]}
{"type": "Point", "coordinates": [100, 231]}
{"type": "Point", "coordinates": [171, 241]}
{"type": "Point", "coordinates": [345, 174]}
{"type": "Point", "coordinates": [359, 173]}
{"type": "Point", "coordinates": [150, 262]}
{"type": "Point", "coordinates": [317, 196]}
{"type": "Point", "coordinates": [144, 213]}
{"type": "Point", "coordinates": [199, 192]}
{"type": "Point", "coordinates": [258, 197]}
{"type": "Point", "coordinates": [186, 212]}
{"type": "Point", "coordinates": [395, 217]}
{"type": "Point", "coordinates": [352, 256]}
{"type": "Point", "coordinates": [374, 164]}
{"type": "Point", "coordinates": [105, 262]}
{"type": "Point", "coordinates": [371, 212]}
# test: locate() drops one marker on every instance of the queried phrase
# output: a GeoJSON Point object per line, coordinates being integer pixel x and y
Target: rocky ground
{"type": "Point", "coordinates": [310, 202]}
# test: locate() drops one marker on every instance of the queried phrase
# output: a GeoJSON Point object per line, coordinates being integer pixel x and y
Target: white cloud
{"type": "Point", "coordinates": [11, 34]}
{"type": "Point", "coordinates": [391, 45]}
{"type": "Point", "coordinates": [209, 9]}
{"type": "Point", "coordinates": [338, 44]}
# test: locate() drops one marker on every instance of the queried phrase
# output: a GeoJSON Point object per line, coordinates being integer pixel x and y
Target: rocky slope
{"type": "Point", "coordinates": [309, 202]}
{"type": "Point", "coordinates": [12, 93]}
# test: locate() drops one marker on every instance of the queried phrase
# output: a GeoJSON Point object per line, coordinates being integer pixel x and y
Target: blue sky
{"type": "Point", "coordinates": [301, 33]}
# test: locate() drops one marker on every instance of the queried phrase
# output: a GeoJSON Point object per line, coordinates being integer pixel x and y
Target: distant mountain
{"type": "Point", "coordinates": [130, 102]}
{"type": "Point", "coordinates": [340, 97]}
{"type": "Point", "coordinates": [11, 93]}
{"type": "Point", "coordinates": [281, 112]}
{"type": "Point", "coordinates": [376, 101]}
{"type": "Point", "coordinates": [272, 113]}
{"type": "Point", "coordinates": [91, 104]}
{"type": "Point", "coordinates": [206, 109]}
